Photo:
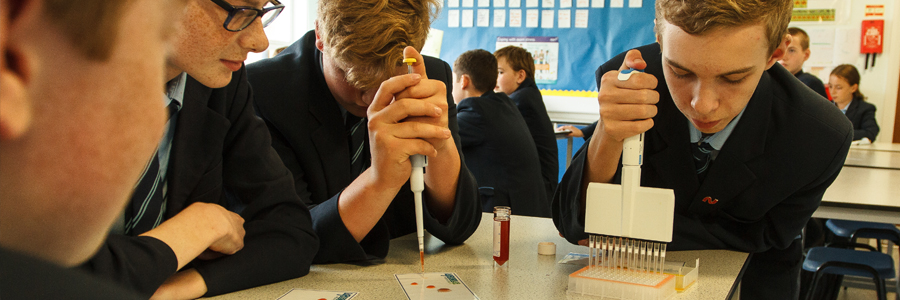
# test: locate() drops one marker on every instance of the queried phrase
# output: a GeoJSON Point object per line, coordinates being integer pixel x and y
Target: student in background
{"type": "Point", "coordinates": [516, 78]}
{"type": "Point", "coordinates": [729, 131]}
{"type": "Point", "coordinates": [495, 140]}
{"type": "Point", "coordinates": [345, 117]}
{"type": "Point", "coordinates": [80, 114]}
{"type": "Point", "coordinates": [844, 85]}
{"type": "Point", "coordinates": [797, 53]}
{"type": "Point", "coordinates": [180, 240]}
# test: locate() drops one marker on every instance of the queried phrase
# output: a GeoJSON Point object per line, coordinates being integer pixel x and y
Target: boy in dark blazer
{"type": "Point", "coordinates": [797, 53]}
{"type": "Point", "coordinates": [495, 140]}
{"type": "Point", "coordinates": [712, 82]}
{"type": "Point", "coordinates": [345, 120]}
{"type": "Point", "coordinates": [215, 156]}
{"type": "Point", "coordinates": [77, 125]}
{"type": "Point", "coordinates": [515, 77]}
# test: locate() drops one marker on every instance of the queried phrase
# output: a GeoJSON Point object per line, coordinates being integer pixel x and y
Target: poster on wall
{"type": "Point", "coordinates": [544, 50]}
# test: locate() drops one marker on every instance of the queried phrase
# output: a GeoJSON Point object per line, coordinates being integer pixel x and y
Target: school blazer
{"type": "Point", "coordinates": [309, 134]}
{"type": "Point", "coordinates": [862, 115]}
{"type": "Point", "coordinates": [501, 154]}
{"type": "Point", "coordinates": [765, 183]}
{"type": "Point", "coordinates": [221, 153]}
{"type": "Point", "coordinates": [530, 103]}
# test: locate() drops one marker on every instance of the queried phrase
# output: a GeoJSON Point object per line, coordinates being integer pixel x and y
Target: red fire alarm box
{"type": "Point", "coordinates": [872, 36]}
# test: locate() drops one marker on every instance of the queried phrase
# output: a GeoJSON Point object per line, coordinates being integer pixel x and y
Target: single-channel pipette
{"type": "Point", "coordinates": [417, 185]}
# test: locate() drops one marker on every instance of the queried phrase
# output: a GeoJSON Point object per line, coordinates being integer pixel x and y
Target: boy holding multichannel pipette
{"type": "Point", "coordinates": [726, 128]}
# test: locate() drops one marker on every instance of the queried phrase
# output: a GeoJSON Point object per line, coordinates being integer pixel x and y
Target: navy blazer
{"type": "Point", "coordinates": [530, 103]}
{"type": "Point", "coordinates": [767, 179]}
{"type": "Point", "coordinates": [862, 115]}
{"type": "Point", "coordinates": [501, 154]}
{"type": "Point", "coordinates": [812, 82]}
{"type": "Point", "coordinates": [221, 153]}
{"type": "Point", "coordinates": [309, 134]}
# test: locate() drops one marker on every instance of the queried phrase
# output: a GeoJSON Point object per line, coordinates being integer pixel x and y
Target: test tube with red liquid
{"type": "Point", "coordinates": [501, 234]}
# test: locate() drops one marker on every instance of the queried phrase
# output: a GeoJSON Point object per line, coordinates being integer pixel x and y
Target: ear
{"type": "Point", "coordinates": [16, 26]}
{"type": "Point", "coordinates": [320, 43]}
{"type": "Point", "coordinates": [853, 88]}
{"type": "Point", "coordinates": [806, 54]}
{"type": "Point", "coordinates": [464, 81]}
{"type": "Point", "coordinates": [520, 76]}
{"type": "Point", "coordinates": [778, 54]}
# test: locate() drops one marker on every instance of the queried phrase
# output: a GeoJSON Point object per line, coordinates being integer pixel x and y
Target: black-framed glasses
{"type": "Point", "coordinates": [239, 17]}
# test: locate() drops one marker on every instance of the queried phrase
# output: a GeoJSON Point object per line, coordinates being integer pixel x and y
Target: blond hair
{"type": "Point", "coordinates": [367, 37]}
{"type": "Point", "coordinates": [90, 25]}
{"type": "Point", "coordinates": [699, 16]}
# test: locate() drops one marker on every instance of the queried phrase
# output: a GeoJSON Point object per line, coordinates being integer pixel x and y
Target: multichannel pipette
{"type": "Point", "coordinates": [417, 184]}
{"type": "Point", "coordinates": [629, 225]}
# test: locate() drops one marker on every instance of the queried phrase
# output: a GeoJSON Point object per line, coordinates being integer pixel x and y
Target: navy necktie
{"type": "Point", "coordinates": [702, 151]}
{"type": "Point", "coordinates": [356, 142]}
{"type": "Point", "coordinates": [148, 203]}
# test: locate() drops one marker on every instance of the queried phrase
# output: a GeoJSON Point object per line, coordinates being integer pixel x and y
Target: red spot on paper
{"type": "Point", "coordinates": [430, 286]}
{"type": "Point", "coordinates": [443, 290]}
{"type": "Point", "coordinates": [414, 283]}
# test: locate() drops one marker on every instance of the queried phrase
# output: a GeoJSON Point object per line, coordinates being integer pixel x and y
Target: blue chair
{"type": "Point", "coordinates": [840, 261]}
{"type": "Point", "coordinates": [853, 230]}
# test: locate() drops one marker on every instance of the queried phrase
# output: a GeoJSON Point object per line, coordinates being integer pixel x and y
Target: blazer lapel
{"type": "Point", "coordinates": [669, 154]}
{"type": "Point", "coordinates": [731, 167]}
{"type": "Point", "coordinates": [329, 138]}
{"type": "Point", "coordinates": [199, 131]}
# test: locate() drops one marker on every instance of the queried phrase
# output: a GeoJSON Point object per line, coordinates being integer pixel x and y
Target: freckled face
{"type": "Point", "coordinates": [206, 50]}
{"type": "Point", "coordinates": [713, 88]}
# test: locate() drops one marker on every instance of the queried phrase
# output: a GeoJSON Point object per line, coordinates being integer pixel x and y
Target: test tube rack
{"type": "Point", "coordinates": [621, 284]}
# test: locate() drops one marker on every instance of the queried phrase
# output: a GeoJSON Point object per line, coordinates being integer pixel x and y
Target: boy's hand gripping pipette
{"type": "Point", "coordinates": [629, 224]}
{"type": "Point", "coordinates": [417, 185]}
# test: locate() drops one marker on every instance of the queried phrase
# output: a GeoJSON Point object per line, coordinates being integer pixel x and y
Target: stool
{"type": "Point", "coordinates": [839, 261]}
{"type": "Point", "coordinates": [857, 229]}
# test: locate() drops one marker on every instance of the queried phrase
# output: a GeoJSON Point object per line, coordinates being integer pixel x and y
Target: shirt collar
{"type": "Point", "coordinates": [175, 89]}
{"type": "Point", "coordinates": [717, 140]}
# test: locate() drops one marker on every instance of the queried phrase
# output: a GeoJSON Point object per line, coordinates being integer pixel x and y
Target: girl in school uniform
{"type": "Point", "coordinates": [844, 86]}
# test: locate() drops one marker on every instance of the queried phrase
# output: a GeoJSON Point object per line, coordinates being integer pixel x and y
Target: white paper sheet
{"type": "Point", "coordinates": [515, 18]}
{"type": "Point", "coordinates": [531, 3]}
{"type": "Point", "coordinates": [434, 286]}
{"type": "Point", "coordinates": [597, 3]}
{"type": "Point", "coordinates": [547, 18]}
{"type": "Point", "coordinates": [582, 3]}
{"type": "Point", "coordinates": [565, 18]}
{"type": "Point", "coordinates": [499, 3]}
{"type": "Point", "coordinates": [616, 3]}
{"type": "Point", "coordinates": [484, 3]}
{"type": "Point", "coordinates": [565, 3]}
{"type": "Point", "coordinates": [531, 18]}
{"type": "Point", "coordinates": [548, 3]}
{"type": "Point", "coordinates": [468, 18]}
{"type": "Point", "coordinates": [301, 294]}
{"type": "Point", "coordinates": [581, 18]}
{"type": "Point", "coordinates": [484, 18]}
{"type": "Point", "coordinates": [468, 3]}
{"type": "Point", "coordinates": [634, 3]}
{"type": "Point", "coordinates": [499, 18]}
{"type": "Point", "coordinates": [452, 3]}
{"type": "Point", "coordinates": [453, 18]}
{"type": "Point", "coordinates": [515, 3]}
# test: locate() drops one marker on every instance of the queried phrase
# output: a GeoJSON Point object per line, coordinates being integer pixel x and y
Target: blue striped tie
{"type": "Point", "coordinates": [148, 203]}
{"type": "Point", "coordinates": [702, 152]}
{"type": "Point", "coordinates": [356, 142]}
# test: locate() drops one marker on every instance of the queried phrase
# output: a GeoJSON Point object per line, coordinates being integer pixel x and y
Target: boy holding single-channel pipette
{"type": "Point", "coordinates": [346, 119]}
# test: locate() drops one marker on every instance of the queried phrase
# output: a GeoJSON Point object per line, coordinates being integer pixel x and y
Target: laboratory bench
{"type": "Point", "coordinates": [527, 276]}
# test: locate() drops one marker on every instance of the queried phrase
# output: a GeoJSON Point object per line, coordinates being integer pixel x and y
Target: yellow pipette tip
{"type": "Point", "coordinates": [409, 61]}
